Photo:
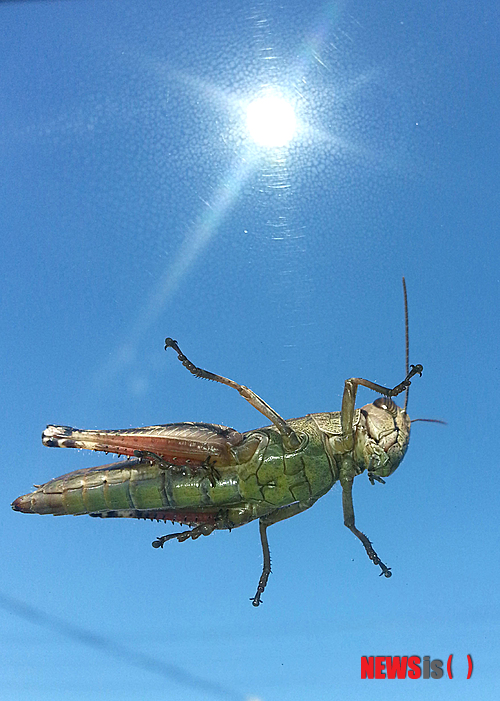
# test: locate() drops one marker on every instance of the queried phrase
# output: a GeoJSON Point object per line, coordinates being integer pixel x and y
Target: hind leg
{"type": "Point", "coordinates": [196, 532]}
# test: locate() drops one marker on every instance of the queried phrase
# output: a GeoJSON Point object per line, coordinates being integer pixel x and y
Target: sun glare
{"type": "Point", "coordinates": [271, 121]}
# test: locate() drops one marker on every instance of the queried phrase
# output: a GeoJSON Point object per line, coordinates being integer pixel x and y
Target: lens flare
{"type": "Point", "coordinates": [271, 121]}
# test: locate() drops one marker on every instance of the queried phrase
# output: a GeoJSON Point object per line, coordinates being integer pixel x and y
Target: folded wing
{"type": "Point", "coordinates": [178, 444]}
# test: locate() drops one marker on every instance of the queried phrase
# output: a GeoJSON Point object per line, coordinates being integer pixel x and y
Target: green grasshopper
{"type": "Point", "coordinates": [212, 477]}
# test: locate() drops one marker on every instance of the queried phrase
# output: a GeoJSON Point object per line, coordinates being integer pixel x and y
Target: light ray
{"type": "Point", "coordinates": [195, 242]}
{"type": "Point", "coordinates": [271, 123]}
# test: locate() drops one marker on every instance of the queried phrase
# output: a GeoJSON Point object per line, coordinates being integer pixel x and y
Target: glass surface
{"type": "Point", "coordinates": [139, 201]}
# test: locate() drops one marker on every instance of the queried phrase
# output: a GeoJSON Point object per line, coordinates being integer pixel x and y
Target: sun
{"type": "Point", "coordinates": [271, 121]}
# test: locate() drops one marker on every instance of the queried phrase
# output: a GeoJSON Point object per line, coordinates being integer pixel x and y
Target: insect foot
{"type": "Point", "coordinates": [194, 533]}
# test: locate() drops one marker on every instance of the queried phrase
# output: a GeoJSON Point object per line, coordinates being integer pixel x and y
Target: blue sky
{"type": "Point", "coordinates": [136, 205]}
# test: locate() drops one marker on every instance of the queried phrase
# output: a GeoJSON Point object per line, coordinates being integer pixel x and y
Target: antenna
{"type": "Point", "coordinates": [407, 339]}
{"type": "Point", "coordinates": [431, 421]}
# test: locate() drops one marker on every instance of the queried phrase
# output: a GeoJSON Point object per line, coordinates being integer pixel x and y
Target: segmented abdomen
{"type": "Point", "coordinates": [130, 488]}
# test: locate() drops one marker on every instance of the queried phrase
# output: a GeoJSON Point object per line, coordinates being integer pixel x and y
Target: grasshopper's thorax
{"type": "Point", "coordinates": [381, 437]}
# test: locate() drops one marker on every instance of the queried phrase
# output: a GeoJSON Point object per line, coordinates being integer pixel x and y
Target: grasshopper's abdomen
{"type": "Point", "coordinates": [133, 489]}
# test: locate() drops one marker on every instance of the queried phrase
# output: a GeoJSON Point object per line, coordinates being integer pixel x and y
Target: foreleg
{"type": "Point", "coordinates": [346, 442]}
{"type": "Point", "coordinates": [349, 521]}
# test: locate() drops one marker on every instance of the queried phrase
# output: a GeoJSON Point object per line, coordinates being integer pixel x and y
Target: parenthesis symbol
{"type": "Point", "coordinates": [469, 660]}
{"type": "Point", "coordinates": [448, 667]}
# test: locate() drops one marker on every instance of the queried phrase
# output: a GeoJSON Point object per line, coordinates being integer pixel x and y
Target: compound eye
{"type": "Point", "coordinates": [387, 404]}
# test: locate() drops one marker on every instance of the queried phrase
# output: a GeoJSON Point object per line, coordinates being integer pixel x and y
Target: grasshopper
{"type": "Point", "coordinates": [211, 477]}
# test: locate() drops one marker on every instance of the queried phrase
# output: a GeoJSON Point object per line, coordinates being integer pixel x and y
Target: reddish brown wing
{"type": "Point", "coordinates": [175, 443]}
